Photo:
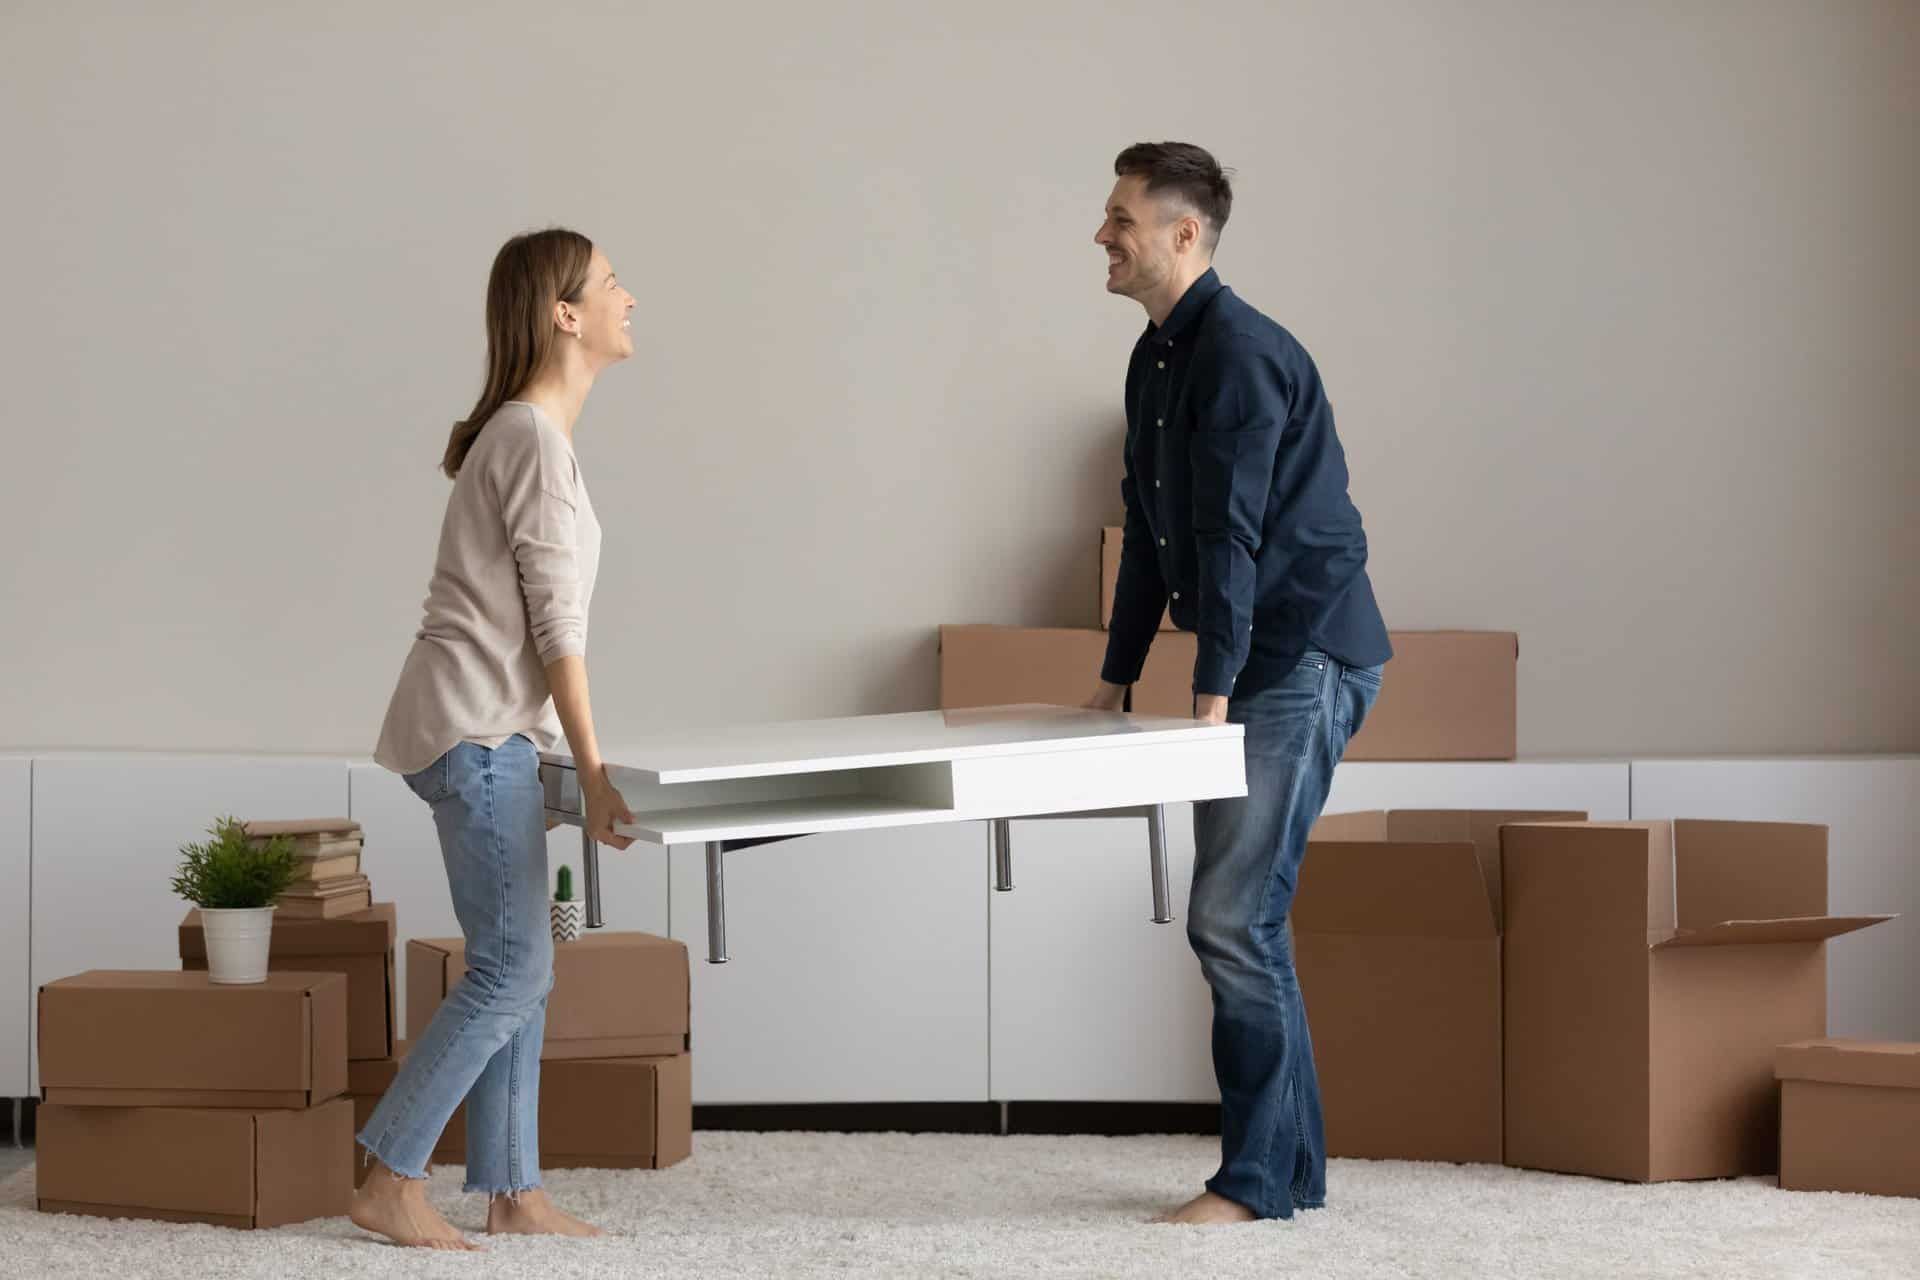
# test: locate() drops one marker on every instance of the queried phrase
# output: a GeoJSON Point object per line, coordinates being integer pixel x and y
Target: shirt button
{"type": "Point", "coordinates": [1162, 364]}
{"type": "Point", "coordinates": [1176, 595]}
{"type": "Point", "coordinates": [1163, 542]}
{"type": "Point", "coordinates": [1159, 422]}
{"type": "Point", "coordinates": [1156, 484]}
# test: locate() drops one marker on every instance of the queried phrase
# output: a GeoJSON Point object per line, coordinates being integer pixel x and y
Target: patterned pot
{"type": "Point", "coordinates": [566, 917]}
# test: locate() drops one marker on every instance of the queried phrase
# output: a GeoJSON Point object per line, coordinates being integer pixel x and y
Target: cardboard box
{"type": "Point", "coordinates": [615, 995]}
{"type": "Point", "coordinates": [985, 666]}
{"type": "Point", "coordinates": [1652, 969]}
{"type": "Point", "coordinates": [1111, 539]}
{"type": "Point", "coordinates": [367, 1083]}
{"type": "Point", "coordinates": [1447, 695]}
{"type": "Point", "coordinates": [232, 1168]}
{"type": "Point", "coordinates": [359, 947]}
{"type": "Point", "coordinates": [1396, 925]}
{"type": "Point", "coordinates": [604, 1113]}
{"type": "Point", "coordinates": [1850, 1116]}
{"type": "Point", "coordinates": [174, 1039]}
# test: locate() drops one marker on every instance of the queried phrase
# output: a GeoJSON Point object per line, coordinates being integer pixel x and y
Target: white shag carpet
{"type": "Point", "coordinates": [804, 1204]}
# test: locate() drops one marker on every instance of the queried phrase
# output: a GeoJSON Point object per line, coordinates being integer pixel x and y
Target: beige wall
{"type": "Point", "coordinates": [1618, 305]}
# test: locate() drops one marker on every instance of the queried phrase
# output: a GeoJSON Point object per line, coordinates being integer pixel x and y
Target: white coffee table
{"type": "Point", "coordinates": [738, 786]}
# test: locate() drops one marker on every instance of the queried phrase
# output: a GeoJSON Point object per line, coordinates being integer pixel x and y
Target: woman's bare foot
{"type": "Point", "coordinates": [396, 1207]}
{"type": "Point", "coordinates": [1208, 1209]}
{"type": "Point", "coordinates": [531, 1213]}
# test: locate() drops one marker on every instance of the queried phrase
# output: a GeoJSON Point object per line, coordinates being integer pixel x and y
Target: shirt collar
{"type": "Point", "coordinates": [1184, 312]}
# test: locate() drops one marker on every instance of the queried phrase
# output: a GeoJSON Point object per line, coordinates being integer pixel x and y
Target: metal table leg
{"type": "Point", "coordinates": [590, 868]}
{"type": "Point", "coordinates": [1157, 862]}
{"type": "Point", "coordinates": [716, 902]}
{"type": "Point", "coordinates": [1000, 841]}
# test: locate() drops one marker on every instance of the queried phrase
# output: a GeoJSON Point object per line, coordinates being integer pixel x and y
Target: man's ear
{"type": "Point", "coordinates": [1187, 234]}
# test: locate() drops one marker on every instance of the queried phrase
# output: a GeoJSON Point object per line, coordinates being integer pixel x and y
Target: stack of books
{"type": "Point", "coordinates": [330, 882]}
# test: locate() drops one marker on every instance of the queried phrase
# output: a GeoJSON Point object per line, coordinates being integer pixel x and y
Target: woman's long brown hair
{"type": "Point", "coordinates": [530, 274]}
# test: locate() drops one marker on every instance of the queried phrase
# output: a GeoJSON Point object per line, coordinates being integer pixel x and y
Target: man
{"type": "Point", "coordinates": [1238, 520]}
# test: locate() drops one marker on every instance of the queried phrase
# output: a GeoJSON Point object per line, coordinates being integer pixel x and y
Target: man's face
{"type": "Point", "coordinates": [1138, 235]}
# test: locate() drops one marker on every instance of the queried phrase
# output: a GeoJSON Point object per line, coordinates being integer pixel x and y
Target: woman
{"type": "Point", "coordinates": [497, 672]}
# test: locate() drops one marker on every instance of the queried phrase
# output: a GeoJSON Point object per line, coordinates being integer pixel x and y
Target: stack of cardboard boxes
{"type": "Point", "coordinates": [616, 1071]}
{"type": "Point", "coordinates": [1603, 998]}
{"type": "Point", "coordinates": [168, 1097]}
{"type": "Point", "coordinates": [1527, 987]}
{"type": "Point", "coordinates": [360, 948]}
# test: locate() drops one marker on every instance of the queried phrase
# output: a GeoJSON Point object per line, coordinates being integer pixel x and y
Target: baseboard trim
{"type": "Point", "coordinates": [1110, 1119]}
{"type": "Point", "coordinates": [852, 1117]}
{"type": "Point", "coordinates": [1113, 1119]}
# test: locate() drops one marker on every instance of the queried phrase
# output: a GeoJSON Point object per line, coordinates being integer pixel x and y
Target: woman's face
{"type": "Point", "coordinates": [600, 315]}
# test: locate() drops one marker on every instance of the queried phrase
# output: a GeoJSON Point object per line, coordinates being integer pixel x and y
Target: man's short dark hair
{"type": "Point", "coordinates": [1187, 171]}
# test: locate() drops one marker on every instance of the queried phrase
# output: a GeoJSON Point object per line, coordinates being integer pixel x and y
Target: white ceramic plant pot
{"type": "Point", "coordinates": [237, 943]}
{"type": "Point", "coordinates": [566, 920]}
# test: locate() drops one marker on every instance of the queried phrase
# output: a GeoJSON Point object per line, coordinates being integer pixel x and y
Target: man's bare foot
{"type": "Point", "coordinates": [395, 1207]}
{"type": "Point", "coordinates": [531, 1213]}
{"type": "Point", "coordinates": [1208, 1209]}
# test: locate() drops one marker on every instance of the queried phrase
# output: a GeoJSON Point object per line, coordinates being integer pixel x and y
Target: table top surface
{"type": "Point", "coordinates": [854, 742]}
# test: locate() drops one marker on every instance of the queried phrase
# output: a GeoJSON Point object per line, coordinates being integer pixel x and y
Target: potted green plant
{"type": "Point", "coordinates": [234, 880]}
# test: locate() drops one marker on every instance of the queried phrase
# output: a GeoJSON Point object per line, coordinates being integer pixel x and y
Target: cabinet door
{"type": "Point", "coordinates": [107, 831]}
{"type": "Point", "coordinates": [403, 860]}
{"type": "Point", "coordinates": [1092, 1001]}
{"type": "Point", "coordinates": [858, 969]}
{"type": "Point", "coordinates": [1871, 806]}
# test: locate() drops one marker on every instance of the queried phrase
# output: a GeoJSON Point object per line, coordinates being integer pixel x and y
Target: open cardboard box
{"type": "Point", "coordinates": [1652, 969]}
{"type": "Point", "coordinates": [170, 1038]}
{"type": "Point", "coordinates": [359, 947]}
{"type": "Point", "coordinates": [1396, 926]}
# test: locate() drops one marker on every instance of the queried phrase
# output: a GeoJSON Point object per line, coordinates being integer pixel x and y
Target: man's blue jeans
{"type": "Point", "coordinates": [483, 1044]}
{"type": "Point", "coordinates": [1247, 855]}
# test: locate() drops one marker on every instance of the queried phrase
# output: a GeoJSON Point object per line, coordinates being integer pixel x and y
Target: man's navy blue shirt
{"type": "Point", "coordinates": [1238, 519]}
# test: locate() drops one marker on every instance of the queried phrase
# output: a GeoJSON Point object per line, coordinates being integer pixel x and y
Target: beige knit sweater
{"type": "Point", "coordinates": [519, 550]}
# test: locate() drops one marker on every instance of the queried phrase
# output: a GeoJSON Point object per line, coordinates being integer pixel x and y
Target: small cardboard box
{"type": "Point", "coordinates": [232, 1168]}
{"type": "Point", "coordinates": [1396, 926]}
{"type": "Point", "coordinates": [173, 1039]}
{"type": "Point", "coordinates": [358, 946]}
{"type": "Point", "coordinates": [615, 995]}
{"type": "Point", "coordinates": [604, 1113]}
{"type": "Point", "coordinates": [1111, 539]}
{"type": "Point", "coordinates": [1850, 1116]}
{"type": "Point", "coordinates": [1652, 969]}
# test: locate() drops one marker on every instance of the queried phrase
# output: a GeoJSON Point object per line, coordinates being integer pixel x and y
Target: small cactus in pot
{"type": "Point", "coordinates": [565, 912]}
